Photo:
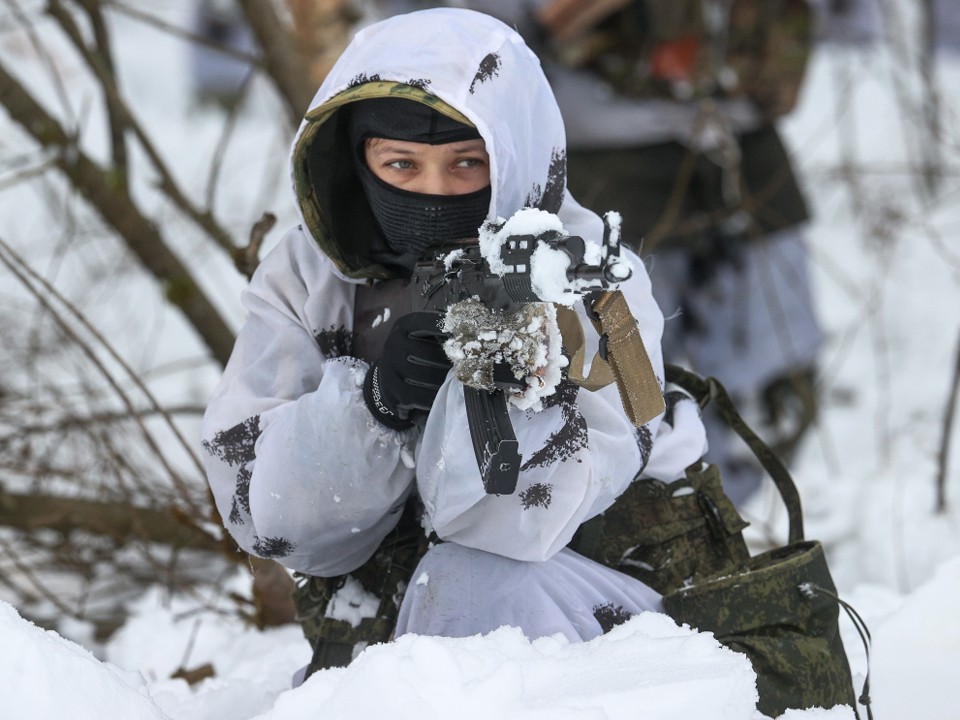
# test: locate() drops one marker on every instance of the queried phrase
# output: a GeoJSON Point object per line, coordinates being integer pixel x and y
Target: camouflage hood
{"type": "Point", "coordinates": [464, 64]}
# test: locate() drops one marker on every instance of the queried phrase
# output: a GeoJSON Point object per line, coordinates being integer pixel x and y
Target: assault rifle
{"type": "Point", "coordinates": [503, 284]}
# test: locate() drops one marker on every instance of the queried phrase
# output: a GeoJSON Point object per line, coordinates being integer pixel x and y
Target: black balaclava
{"type": "Point", "coordinates": [412, 222]}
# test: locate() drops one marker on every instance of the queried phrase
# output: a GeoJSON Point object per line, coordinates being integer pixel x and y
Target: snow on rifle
{"type": "Point", "coordinates": [498, 293]}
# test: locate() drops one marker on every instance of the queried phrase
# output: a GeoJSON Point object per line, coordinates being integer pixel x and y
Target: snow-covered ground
{"type": "Point", "coordinates": [888, 289]}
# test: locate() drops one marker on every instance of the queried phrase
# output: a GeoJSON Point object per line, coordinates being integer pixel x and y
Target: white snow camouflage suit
{"type": "Point", "coordinates": [302, 472]}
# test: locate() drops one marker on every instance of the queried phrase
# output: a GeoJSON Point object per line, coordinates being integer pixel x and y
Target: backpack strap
{"type": "Point", "coordinates": [709, 389]}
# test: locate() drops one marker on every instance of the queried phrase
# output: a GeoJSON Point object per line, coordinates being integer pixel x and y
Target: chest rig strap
{"type": "Point", "coordinates": [375, 308]}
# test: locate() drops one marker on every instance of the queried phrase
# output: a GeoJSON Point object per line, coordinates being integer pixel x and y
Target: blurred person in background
{"type": "Point", "coordinates": [671, 112]}
{"type": "Point", "coordinates": [218, 77]}
{"type": "Point", "coordinates": [848, 22]}
{"type": "Point", "coordinates": [944, 23]}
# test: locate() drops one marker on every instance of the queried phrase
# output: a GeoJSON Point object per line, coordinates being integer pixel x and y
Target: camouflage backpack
{"type": "Point", "coordinates": [780, 608]}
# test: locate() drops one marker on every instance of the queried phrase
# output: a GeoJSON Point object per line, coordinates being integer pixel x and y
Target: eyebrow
{"type": "Point", "coordinates": [470, 146]}
{"type": "Point", "coordinates": [383, 148]}
{"type": "Point", "coordinates": [386, 145]}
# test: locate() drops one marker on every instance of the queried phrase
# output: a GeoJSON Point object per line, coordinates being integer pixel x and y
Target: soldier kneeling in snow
{"type": "Point", "coordinates": [338, 441]}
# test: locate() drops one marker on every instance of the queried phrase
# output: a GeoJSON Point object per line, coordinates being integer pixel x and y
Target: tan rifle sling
{"type": "Point", "coordinates": [622, 357]}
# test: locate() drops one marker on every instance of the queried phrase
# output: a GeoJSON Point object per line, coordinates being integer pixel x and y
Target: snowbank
{"type": "Point", "coordinates": [916, 652]}
{"type": "Point", "coordinates": [648, 663]}
{"type": "Point", "coordinates": [44, 677]}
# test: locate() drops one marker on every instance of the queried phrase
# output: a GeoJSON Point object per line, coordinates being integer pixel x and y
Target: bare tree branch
{"type": "Point", "coordinates": [944, 454]}
{"type": "Point", "coordinates": [41, 50]}
{"type": "Point", "coordinates": [104, 418]}
{"type": "Point", "coordinates": [102, 56]}
{"type": "Point", "coordinates": [247, 258]}
{"type": "Point", "coordinates": [122, 118]}
{"type": "Point", "coordinates": [21, 271]}
{"type": "Point", "coordinates": [228, 128]}
{"type": "Point", "coordinates": [28, 573]}
{"type": "Point", "coordinates": [281, 60]}
{"type": "Point", "coordinates": [321, 29]}
{"type": "Point", "coordinates": [118, 210]}
{"type": "Point", "coordinates": [182, 33]}
{"type": "Point", "coordinates": [118, 520]}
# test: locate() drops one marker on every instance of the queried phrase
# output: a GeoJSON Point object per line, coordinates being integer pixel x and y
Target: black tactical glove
{"type": "Point", "coordinates": [410, 371]}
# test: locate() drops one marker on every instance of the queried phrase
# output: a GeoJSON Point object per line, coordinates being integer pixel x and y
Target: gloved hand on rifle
{"type": "Point", "coordinates": [411, 369]}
